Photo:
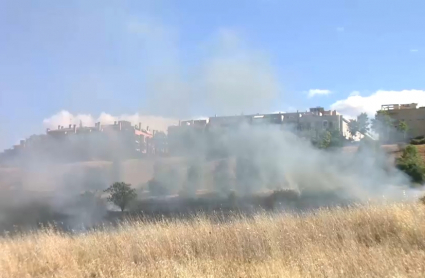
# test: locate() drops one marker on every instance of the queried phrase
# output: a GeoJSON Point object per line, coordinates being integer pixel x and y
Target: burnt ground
{"type": "Point", "coordinates": [40, 213]}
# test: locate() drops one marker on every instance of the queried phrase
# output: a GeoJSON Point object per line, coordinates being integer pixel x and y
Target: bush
{"type": "Point", "coordinates": [412, 164]}
{"type": "Point", "coordinates": [285, 196]}
{"type": "Point", "coordinates": [418, 141]}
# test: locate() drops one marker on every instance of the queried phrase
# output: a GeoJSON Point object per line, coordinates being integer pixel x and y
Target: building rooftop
{"type": "Point", "coordinates": [399, 106]}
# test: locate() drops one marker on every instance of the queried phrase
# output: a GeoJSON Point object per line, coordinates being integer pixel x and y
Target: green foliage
{"type": "Point", "coordinates": [328, 139]}
{"type": "Point", "coordinates": [383, 124]}
{"type": "Point", "coordinates": [418, 141]}
{"type": "Point", "coordinates": [121, 194]}
{"type": "Point", "coordinates": [337, 140]}
{"type": "Point", "coordinates": [353, 127]}
{"type": "Point", "coordinates": [412, 164]}
{"type": "Point", "coordinates": [403, 127]}
{"type": "Point", "coordinates": [363, 123]}
{"type": "Point", "coordinates": [324, 140]}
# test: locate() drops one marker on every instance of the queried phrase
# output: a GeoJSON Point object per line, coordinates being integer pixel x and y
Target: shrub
{"type": "Point", "coordinates": [412, 164]}
{"type": "Point", "coordinates": [418, 141]}
{"type": "Point", "coordinates": [284, 196]}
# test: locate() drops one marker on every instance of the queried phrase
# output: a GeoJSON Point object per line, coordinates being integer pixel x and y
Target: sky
{"type": "Point", "coordinates": [158, 61]}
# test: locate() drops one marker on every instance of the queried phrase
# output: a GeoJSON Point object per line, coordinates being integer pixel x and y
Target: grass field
{"type": "Point", "coordinates": [372, 241]}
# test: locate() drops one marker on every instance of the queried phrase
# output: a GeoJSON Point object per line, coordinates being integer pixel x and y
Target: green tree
{"type": "Point", "coordinates": [353, 127]}
{"type": "Point", "coordinates": [337, 140]}
{"type": "Point", "coordinates": [412, 164]}
{"type": "Point", "coordinates": [324, 140]}
{"type": "Point", "coordinates": [403, 127]}
{"type": "Point", "coordinates": [383, 124]}
{"type": "Point", "coordinates": [363, 123]}
{"type": "Point", "coordinates": [121, 194]}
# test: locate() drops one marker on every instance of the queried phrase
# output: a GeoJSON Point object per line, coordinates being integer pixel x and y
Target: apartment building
{"type": "Point", "coordinates": [411, 114]}
{"type": "Point", "coordinates": [305, 124]}
{"type": "Point", "coordinates": [77, 143]}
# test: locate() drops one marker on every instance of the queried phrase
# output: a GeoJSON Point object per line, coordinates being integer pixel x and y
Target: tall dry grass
{"type": "Point", "coordinates": [373, 241]}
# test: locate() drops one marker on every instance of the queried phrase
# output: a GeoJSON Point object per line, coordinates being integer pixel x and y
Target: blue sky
{"type": "Point", "coordinates": [62, 61]}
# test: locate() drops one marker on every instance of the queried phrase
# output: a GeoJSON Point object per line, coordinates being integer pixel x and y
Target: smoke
{"type": "Point", "coordinates": [227, 76]}
{"type": "Point", "coordinates": [268, 158]}
{"type": "Point", "coordinates": [222, 76]}
{"type": "Point", "coordinates": [237, 79]}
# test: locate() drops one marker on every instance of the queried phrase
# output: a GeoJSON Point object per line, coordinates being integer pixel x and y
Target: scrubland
{"type": "Point", "coordinates": [363, 241]}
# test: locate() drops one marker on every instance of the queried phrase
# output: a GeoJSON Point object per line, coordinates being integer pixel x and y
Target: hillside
{"type": "Point", "coordinates": [98, 174]}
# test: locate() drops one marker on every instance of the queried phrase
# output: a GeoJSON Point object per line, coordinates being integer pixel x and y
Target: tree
{"type": "Point", "coordinates": [353, 127]}
{"type": "Point", "coordinates": [328, 139]}
{"type": "Point", "coordinates": [363, 123]}
{"type": "Point", "coordinates": [121, 194]}
{"type": "Point", "coordinates": [403, 127]}
{"type": "Point", "coordinates": [337, 140]}
{"type": "Point", "coordinates": [324, 140]}
{"type": "Point", "coordinates": [412, 164]}
{"type": "Point", "coordinates": [194, 179]}
{"type": "Point", "coordinates": [382, 124]}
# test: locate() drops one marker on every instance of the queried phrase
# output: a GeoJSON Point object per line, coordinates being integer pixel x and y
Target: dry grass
{"type": "Point", "coordinates": [374, 241]}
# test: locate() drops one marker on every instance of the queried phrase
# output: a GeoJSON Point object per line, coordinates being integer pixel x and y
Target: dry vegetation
{"type": "Point", "coordinates": [373, 241]}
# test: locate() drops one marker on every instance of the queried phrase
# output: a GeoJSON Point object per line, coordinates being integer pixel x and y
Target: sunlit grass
{"type": "Point", "coordinates": [372, 241]}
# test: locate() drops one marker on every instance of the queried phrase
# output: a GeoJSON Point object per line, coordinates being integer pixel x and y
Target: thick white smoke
{"type": "Point", "coordinates": [271, 158]}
